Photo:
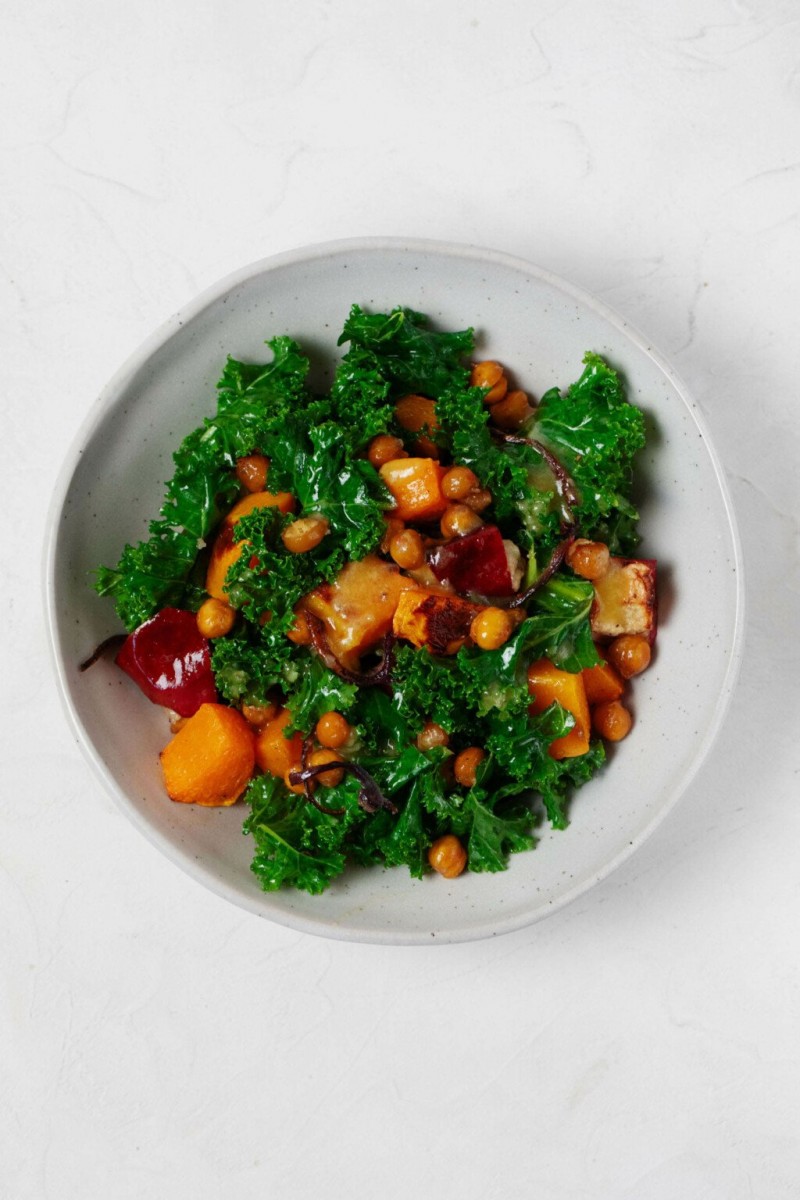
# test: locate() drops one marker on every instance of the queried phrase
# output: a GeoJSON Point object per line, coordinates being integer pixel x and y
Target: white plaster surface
{"type": "Point", "coordinates": [642, 1044]}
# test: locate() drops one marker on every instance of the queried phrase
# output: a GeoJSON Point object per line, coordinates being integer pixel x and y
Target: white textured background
{"type": "Point", "coordinates": [644, 1044]}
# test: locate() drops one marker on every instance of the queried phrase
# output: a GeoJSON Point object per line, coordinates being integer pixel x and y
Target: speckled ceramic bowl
{"type": "Point", "coordinates": [540, 326]}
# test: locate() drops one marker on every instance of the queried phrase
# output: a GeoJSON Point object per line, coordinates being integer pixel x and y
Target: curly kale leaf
{"type": "Point", "coordinates": [595, 432]}
{"type": "Point", "coordinates": [405, 353]}
{"type": "Point", "coordinates": [162, 570]}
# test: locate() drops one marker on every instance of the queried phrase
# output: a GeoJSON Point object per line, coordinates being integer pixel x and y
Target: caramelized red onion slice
{"type": "Point", "coordinates": [378, 676]}
{"type": "Point", "coordinates": [110, 643]}
{"type": "Point", "coordinates": [370, 796]}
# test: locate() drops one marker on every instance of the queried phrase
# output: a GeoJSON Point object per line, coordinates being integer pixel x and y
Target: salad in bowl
{"type": "Point", "coordinates": [398, 619]}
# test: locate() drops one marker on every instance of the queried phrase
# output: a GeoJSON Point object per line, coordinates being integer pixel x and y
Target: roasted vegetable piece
{"type": "Point", "coordinates": [547, 684]}
{"type": "Point", "coordinates": [433, 619]}
{"type": "Point", "coordinates": [210, 759]}
{"type": "Point", "coordinates": [416, 485]}
{"type": "Point", "coordinates": [477, 562]}
{"type": "Point", "coordinates": [225, 550]}
{"type": "Point", "coordinates": [275, 752]}
{"type": "Point", "coordinates": [625, 599]}
{"type": "Point", "coordinates": [602, 683]}
{"type": "Point", "coordinates": [169, 659]}
{"type": "Point", "coordinates": [358, 606]}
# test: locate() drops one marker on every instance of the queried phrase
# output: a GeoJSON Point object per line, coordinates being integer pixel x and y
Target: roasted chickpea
{"type": "Point", "coordinates": [490, 375]}
{"type": "Point", "coordinates": [326, 778]}
{"type": "Point", "coordinates": [432, 735]}
{"type": "Point", "coordinates": [215, 618]}
{"type": "Point", "coordinates": [300, 633]}
{"type": "Point", "coordinates": [407, 549]}
{"type": "Point", "coordinates": [630, 654]}
{"type": "Point", "coordinates": [458, 482]}
{"type": "Point", "coordinates": [304, 534]}
{"type": "Point", "coordinates": [588, 559]}
{"type": "Point", "coordinates": [459, 519]}
{"type": "Point", "coordinates": [492, 628]}
{"type": "Point", "coordinates": [447, 856]}
{"type": "Point", "coordinates": [332, 730]}
{"type": "Point", "coordinates": [251, 471]}
{"type": "Point", "coordinates": [259, 714]}
{"type": "Point", "coordinates": [478, 499]}
{"type": "Point", "coordinates": [612, 720]}
{"type": "Point", "coordinates": [297, 788]}
{"type": "Point", "coordinates": [384, 448]}
{"type": "Point", "coordinates": [466, 765]}
{"type": "Point", "coordinates": [511, 411]}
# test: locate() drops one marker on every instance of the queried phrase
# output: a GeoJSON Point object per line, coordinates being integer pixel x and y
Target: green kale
{"type": "Point", "coordinates": [405, 353]}
{"type": "Point", "coordinates": [595, 432]}
{"type": "Point", "coordinates": [162, 571]}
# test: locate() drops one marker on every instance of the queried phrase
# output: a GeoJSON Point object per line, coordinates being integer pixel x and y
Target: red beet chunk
{"type": "Point", "coordinates": [476, 562]}
{"type": "Point", "coordinates": [170, 661]}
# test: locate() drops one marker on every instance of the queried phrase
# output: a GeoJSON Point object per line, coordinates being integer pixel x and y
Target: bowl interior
{"type": "Point", "coordinates": [540, 328]}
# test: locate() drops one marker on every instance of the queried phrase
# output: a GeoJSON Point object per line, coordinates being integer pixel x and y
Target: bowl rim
{"type": "Point", "coordinates": [157, 339]}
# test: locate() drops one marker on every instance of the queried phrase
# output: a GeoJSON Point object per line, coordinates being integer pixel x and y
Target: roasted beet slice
{"type": "Point", "coordinates": [170, 661]}
{"type": "Point", "coordinates": [476, 562]}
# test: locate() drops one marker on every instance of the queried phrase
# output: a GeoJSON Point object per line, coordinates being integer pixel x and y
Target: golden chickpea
{"type": "Point", "coordinates": [492, 628]}
{"type": "Point", "coordinates": [326, 778]}
{"type": "Point", "coordinates": [305, 534]}
{"type": "Point", "coordinates": [630, 654]}
{"type": "Point", "coordinates": [447, 856]}
{"type": "Point", "coordinates": [384, 448]}
{"type": "Point", "coordinates": [612, 720]}
{"type": "Point", "coordinates": [215, 618]}
{"type": "Point", "coordinates": [432, 735]}
{"type": "Point", "coordinates": [251, 471]}
{"type": "Point", "coordinates": [478, 499]}
{"type": "Point", "coordinates": [407, 549]}
{"type": "Point", "coordinates": [511, 411]}
{"type": "Point", "coordinates": [259, 714]}
{"type": "Point", "coordinates": [297, 788]}
{"type": "Point", "coordinates": [466, 765]}
{"type": "Point", "coordinates": [490, 375]}
{"type": "Point", "coordinates": [300, 633]}
{"type": "Point", "coordinates": [459, 519]}
{"type": "Point", "coordinates": [458, 482]}
{"type": "Point", "coordinates": [332, 730]}
{"type": "Point", "coordinates": [588, 559]}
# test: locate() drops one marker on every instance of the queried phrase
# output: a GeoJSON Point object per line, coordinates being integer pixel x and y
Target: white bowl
{"type": "Point", "coordinates": [540, 327]}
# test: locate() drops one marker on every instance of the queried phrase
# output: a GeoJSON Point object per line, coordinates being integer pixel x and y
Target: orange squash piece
{"type": "Point", "coordinates": [432, 618]}
{"type": "Point", "coordinates": [416, 485]}
{"type": "Point", "coordinates": [275, 752]}
{"type": "Point", "coordinates": [602, 683]}
{"type": "Point", "coordinates": [547, 683]}
{"type": "Point", "coordinates": [225, 550]}
{"type": "Point", "coordinates": [357, 606]}
{"type": "Point", "coordinates": [416, 413]}
{"type": "Point", "coordinates": [210, 759]}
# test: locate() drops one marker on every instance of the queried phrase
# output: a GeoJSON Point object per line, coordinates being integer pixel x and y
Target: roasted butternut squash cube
{"type": "Point", "coordinates": [210, 759]}
{"type": "Point", "coordinates": [225, 550]}
{"type": "Point", "coordinates": [602, 683]}
{"type": "Point", "coordinates": [416, 485]}
{"type": "Point", "coordinates": [547, 684]}
{"type": "Point", "coordinates": [434, 619]}
{"type": "Point", "coordinates": [625, 599]}
{"type": "Point", "coordinates": [358, 606]}
{"type": "Point", "coordinates": [275, 752]}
